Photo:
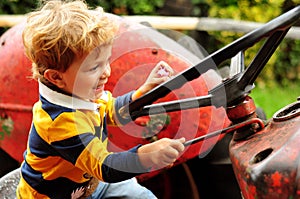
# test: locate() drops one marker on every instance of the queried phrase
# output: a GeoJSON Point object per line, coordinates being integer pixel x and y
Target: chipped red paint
{"type": "Point", "coordinates": [267, 164]}
{"type": "Point", "coordinates": [252, 190]}
{"type": "Point", "coordinates": [276, 178]}
{"type": "Point", "coordinates": [246, 108]}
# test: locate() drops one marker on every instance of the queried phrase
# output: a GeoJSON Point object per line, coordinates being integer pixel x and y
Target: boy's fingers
{"type": "Point", "coordinates": [160, 80]}
{"type": "Point", "coordinates": [177, 146]}
{"type": "Point", "coordinates": [161, 63]}
{"type": "Point", "coordinates": [168, 68]}
{"type": "Point", "coordinates": [181, 140]}
{"type": "Point", "coordinates": [164, 69]}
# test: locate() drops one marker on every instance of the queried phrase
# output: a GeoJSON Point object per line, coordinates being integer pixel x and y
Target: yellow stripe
{"type": "Point", "coordinates": [66, 125]}
{"type": "Point", "coordinates": [92, 158]}
{"type": "Point", "coordinates": [27, 192]}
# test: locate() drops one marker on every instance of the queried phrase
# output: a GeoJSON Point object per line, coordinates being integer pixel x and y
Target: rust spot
{"type": "Point", "coordinates": [154, 51]}
{"type": "Point", "coordinates": [276, 178]}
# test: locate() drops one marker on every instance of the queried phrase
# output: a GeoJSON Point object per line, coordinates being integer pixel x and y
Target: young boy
{"type": "Point", "coordinates": [69, 46]}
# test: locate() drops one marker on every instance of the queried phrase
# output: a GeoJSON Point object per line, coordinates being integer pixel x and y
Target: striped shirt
{"type": "Point", "coordinates": [67, 144]}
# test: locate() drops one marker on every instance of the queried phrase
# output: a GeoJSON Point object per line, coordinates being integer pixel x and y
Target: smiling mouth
{"type": "Point", "coordinates": [99, 87]}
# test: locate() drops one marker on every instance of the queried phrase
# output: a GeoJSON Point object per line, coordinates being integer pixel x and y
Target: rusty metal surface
{"type": "Point", "coordinates": [244, 109]}
{"type": "Point", "coordinates": [266, 164]}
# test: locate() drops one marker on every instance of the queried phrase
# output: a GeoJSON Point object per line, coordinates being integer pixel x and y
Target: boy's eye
{"type": "Point", "coordinates": [94, 68]}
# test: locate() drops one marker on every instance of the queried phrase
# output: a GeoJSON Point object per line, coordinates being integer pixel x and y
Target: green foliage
{"type": "Point", "coordinates": [114, 6]}
{"type": "Point", "coordinates": [129, 7]}
{"type": "Point", "coordinates": [16, 6]}
{"type": "Point", "coordinates": [287, 67]}
{"type": "Point", "coordinates": [267, 96]}
{"type": "Point", "coordinates": [284, 65]}
{"type": "Point", "coordinates": [119, 7]}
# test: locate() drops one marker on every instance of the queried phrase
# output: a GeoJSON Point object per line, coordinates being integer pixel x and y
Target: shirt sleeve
{"type": "Point", "coordinates": [112, 106]}
{"type": "Point", "coordinates": [119, 103]}
{"type": "Point", "coordinates": [122, 166]}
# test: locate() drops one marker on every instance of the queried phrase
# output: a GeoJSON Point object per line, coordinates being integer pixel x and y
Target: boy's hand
{"type": "Point", "coordinates": [161, 153]}
{"type": "Point", "coordinates": [160, 73]}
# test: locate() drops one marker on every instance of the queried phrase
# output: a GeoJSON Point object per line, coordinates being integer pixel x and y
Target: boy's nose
{"type": "Point", "coordinates": [106, 72]}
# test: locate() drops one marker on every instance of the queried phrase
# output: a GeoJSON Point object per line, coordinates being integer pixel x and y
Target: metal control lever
{"type": "Point", "coordinates": [227, 130]}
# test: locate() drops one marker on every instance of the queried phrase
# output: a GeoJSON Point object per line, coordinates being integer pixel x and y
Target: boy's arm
{"type": "Point", "coordinates": [159, 74]}
{"type": "Point", "coordinates": [110, 107]}
{"type": "Point", "coordinates": [122, 166]}
{"type": "Point", "coordinates": [161, 153]}
{"type": "Point", "coordinates": [141, 159]}
{"type": "Point", "coordinates": [106, 166]}
{"type": "Point", "coordinates": [119, 102]}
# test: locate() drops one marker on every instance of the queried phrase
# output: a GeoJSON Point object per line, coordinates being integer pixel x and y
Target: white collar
{"type": "Point", "coordinates": [65, 100]}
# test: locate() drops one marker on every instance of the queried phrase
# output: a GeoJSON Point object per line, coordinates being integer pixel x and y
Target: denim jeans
{"type": "Point", "coordinates": [129, 189]}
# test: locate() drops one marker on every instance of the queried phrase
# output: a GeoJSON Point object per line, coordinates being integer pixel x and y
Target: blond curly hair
{"type": "Point", "coordinates": [60, 31]}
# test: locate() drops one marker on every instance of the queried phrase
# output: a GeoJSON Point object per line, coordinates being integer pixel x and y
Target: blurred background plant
{"type": "Point", "coordinates": [282, 72]}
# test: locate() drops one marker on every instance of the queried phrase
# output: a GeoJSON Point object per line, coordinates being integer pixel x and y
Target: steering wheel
{"type": "Point", "coordinates": [233, 89]}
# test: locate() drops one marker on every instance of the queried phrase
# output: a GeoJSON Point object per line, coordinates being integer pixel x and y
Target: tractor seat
{"type": "Point", "coordinates": [9, 183]}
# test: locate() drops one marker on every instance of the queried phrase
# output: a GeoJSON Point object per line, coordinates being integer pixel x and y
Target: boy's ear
{"type": "Point", "coordinates": [55, 77]}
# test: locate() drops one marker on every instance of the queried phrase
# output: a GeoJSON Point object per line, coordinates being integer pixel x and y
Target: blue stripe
{"type": "Point", "coordinates": [120, 101]}
{"type": "Point", "coordinates": [38, 146]}
{"type": "Point", "coordinates": [97, 130]}
{"type": "Point", "coordinates": [104, 132]}
{"type": "Point", "coordinates": [52, 109]}
{"type": "Point", "coordinates": [55, 189]}
{"type": "Point", "coordinates": [31, 176]}
{"type": "Point", "coordinates": [121, 166]}
{"type": "Point", "coordinates": [71, 148]}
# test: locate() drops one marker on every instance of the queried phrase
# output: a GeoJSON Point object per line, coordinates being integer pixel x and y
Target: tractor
{"type": "Point", "coordinates": [232, 150]}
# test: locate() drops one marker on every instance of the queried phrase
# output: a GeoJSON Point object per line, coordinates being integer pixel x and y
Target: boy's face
{"type": "Point", "coordinates": [87, 75]}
